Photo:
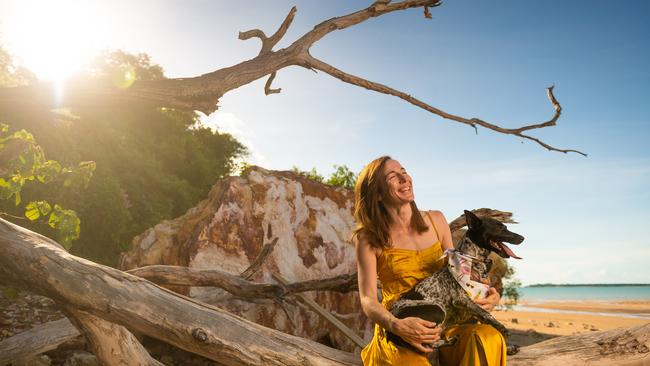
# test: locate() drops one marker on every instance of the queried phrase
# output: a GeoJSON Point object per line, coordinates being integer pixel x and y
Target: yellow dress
{"type": "Point", "coordinates": [399, 270]}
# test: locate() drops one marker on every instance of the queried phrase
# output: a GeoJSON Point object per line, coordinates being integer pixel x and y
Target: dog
{"type": "Point", "coordinates": [444, 297]}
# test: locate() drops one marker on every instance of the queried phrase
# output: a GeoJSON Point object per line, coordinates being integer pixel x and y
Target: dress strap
{"type": "Point", "coordinates": [432, 224]}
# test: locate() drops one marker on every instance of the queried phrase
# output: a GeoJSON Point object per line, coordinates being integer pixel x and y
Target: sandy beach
{"type": "Point", "coordinates": [537, 321]}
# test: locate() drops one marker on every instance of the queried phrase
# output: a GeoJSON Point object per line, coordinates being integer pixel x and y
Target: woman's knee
{"type": "Point", "coordinates": [487, 331]}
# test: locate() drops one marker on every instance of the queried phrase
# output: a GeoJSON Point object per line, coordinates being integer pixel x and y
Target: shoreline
{"type": "Point", "coordinates": [539, 320]}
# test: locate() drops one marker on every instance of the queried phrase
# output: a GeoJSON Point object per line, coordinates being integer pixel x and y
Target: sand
{"type": "Point", "coordinates": [535, 322]}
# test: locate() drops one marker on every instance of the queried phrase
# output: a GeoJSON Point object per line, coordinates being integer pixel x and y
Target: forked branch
{"type": "Point", "coordinates": [202, 93]}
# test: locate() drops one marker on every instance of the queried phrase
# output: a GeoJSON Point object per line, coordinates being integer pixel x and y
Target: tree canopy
{"type": "Point", "coordinates": [152, 163]}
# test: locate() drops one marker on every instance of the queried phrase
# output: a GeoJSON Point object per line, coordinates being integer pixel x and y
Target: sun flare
{"type": "Point", "coordinates": [54, 39]}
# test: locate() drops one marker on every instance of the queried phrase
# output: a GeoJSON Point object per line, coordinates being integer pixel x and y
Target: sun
{"type": "Point", "coordinates": [54, 39]}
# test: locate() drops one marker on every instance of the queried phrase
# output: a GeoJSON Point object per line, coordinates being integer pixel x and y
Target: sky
{"type": "Point", "coordinates": [584, 219]}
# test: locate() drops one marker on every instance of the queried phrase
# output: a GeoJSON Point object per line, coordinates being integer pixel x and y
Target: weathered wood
{"type": "Point", "coordinates": [112, 344]}
{"type": "Point", "coordinates": [203, 92]}
{"type": "Point", "coordinates": [34, 262]}
{"type": "Point", "coordinates": [185, 276]}
{"type": "Point", "coordinates": [622, 346]}
{"type": "Point", "coordinates": [40, 339]}
{"type": "Point", "coordinates": [324, 313]}
{"type": "Point", "coordinates": [267, 249]}
{"type": "Point", "coordinates": [503, 216]}
{"type": "Point", "coordinates": [236, 285]}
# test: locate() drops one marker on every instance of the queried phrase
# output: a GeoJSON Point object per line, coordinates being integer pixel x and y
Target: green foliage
{"type": "Point", "coordinates": [152, 163]}
{"type": "Point", "coordinates": [23, 161]}
{"type": "Point", "coordinates": [12, 75]}
{"type": "Point", "coordinates": [312, 174]}
{"type": "Point", "coordinates": [511, 287]}
{"type": "Point", "coordinates": [342, 176]}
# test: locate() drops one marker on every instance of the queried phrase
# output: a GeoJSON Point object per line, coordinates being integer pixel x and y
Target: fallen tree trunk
{"type": "Point", "coordinates": [34, 262]}
{"type": "Point", "coordinates": [40, 339]}
{"type": "Point", "coordinates": [622, 346]}
{"type": "Point", "coordinates": [112, 344]}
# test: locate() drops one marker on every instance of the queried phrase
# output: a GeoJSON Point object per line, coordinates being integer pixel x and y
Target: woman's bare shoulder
{"type": "Point", "coordinates": [363, 243]}
{"type": "Point", "coordinates": [437, 215]}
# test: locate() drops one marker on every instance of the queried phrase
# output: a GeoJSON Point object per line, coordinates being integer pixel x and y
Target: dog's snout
{"type": "Point", "coordinates": [517, 239]}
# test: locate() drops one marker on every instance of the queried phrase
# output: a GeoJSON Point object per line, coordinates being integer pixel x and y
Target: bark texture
{"type": "Point", "coordinates": [33, 261]}
{"type": "Point", "coordinates": [622, 346]}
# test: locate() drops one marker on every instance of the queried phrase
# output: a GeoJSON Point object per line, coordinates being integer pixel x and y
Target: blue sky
{"type": "Point", "coordinates": [583, 218]}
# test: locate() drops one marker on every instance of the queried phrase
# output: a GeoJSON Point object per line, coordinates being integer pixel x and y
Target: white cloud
{"type": "Point", "coordinates": [226, 122]}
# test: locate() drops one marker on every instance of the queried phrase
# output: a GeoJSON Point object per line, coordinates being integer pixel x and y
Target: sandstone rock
{"type": "Point", "coordinates": [226, 231]}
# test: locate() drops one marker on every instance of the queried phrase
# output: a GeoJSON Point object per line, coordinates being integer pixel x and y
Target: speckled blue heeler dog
{"type": "Point", "coordinates": [443, 297]}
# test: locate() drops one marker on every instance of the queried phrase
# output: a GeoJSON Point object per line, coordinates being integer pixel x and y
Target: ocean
{"type": "Point", "coordinates": [590, 292]}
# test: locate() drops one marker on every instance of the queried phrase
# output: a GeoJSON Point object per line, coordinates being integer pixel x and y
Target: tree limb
{"type": "Point", "coordinates": [40, 339]}
{"type": "Point", "coordinates": [112, 344]}
{"type": "Point", "coordinates": [202, 93]}
{"type": "Point", "coordinates": [238, 286]}
{"type": "Point", "coordinates": [267, 249]}
{"type": "Point", "coordinates": [37, 263]}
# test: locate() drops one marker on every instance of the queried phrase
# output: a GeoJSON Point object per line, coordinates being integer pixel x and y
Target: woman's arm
{"type": "Point", "coordinates": [415, 331]}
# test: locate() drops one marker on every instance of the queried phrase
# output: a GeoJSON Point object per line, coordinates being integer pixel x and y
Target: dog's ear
{"type": "Point", "coordinates": [473, 222]}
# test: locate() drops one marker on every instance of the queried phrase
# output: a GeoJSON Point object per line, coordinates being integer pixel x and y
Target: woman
{"type": "Point", "coordinates": [398, 244]}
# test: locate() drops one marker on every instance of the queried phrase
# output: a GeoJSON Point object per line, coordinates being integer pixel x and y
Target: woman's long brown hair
{"type": "Point", "coordinates": [370, 213]}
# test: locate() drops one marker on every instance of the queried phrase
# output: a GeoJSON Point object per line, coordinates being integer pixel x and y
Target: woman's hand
{"type": "Point", "coordinates": [491, 301]}
{"type": "Point", "coordinates": [417, 332]}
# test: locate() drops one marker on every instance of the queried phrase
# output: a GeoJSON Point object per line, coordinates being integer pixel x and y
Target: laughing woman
{"type": "Point", "coordinates": [401, 246]}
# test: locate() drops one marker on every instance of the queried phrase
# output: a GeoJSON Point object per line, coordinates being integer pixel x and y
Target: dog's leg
{"type": "Point", "coordinates": [480, 314]}
{"type": "Point", "coordinates": [434, 357]}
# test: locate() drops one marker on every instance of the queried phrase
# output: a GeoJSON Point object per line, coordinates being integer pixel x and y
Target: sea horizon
{"type": "Point", "coordinates": [585, 292]}
{"type": "Point", "coordinates": [585, 284]}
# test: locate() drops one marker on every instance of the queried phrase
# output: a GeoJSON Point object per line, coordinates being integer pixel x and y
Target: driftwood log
{"type": "Point", "coordinates": [40, 339]}
{"type": "Point", "coordinates": [622, 346]}
{"type": "Point", "coordinates": [114, 344]}
{"type": "Point", "coordinates": [32, 261]}
{"type": "Point", "coordinates": [103, 302]}
{"type": "Point", "coordinates": [203, 92]}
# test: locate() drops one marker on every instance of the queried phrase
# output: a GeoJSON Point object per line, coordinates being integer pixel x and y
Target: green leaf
{"type": "Point", "coordinates": [67, 223]}
{"type": "Point", "coordinates": [5, 189]}
{"type": "Point", "coordinates": [32, 212]}
{"type": "Point", "coordinates": [55, 217]}
{"type": "Point", "coordinates": [36, 209]}
{"type": "Point", "coordinates": [48, 171]}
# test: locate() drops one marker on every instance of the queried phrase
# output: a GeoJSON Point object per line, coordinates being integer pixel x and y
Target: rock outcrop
{"type": "Point", "coordinates": [313, 223]}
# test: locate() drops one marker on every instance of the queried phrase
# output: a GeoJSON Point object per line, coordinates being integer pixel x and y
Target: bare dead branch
{"type": "Point", "coordinates": [267, 86]}
{"type": "Point", "coordinates": [257, 263]}
{"type": "Point", "coordinates": [268, 43]}
{"type": "Point", "coordinates": [427, 12]}
{"type": "Point", "coordinates": [202, 93]}
{"type": "Point", "coordinates": [503, 216]}
{"type": "Point", "coordinates": [184, 276]}
{"type": "Point", "coordinates": [238, 286]}
{"type": "Point", "coordinates": [380, 88]}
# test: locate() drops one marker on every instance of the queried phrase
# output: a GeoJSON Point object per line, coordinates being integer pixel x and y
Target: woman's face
{"type": "Point", "coordinates": [399, 183]}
